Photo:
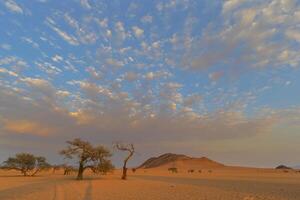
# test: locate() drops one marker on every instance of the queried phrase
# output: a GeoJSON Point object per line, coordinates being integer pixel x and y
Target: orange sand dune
{"type": "Point", "coordinates": [192, 163]}
{"type": "Point", "coordinates": [181, 162]}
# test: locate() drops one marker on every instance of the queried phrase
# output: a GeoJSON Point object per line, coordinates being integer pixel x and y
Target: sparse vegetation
{"type": "Point", "coordinates": [128, 148]}
{"type": "Point", "coordinates": [56, 168]}
{"type": "Point", "coordinates": [191, 171]}
{"type": "Point", "coordinates": [199, 171]}
{"type": "Point", "coordinates": [133, 170]}
{"type": "Point", "coordinates": [69, 170]}
{"type": "Point", "coordinates": [173, 170]}
{"type": "Point", "coordinates": [27, 164]}
{"type": "Point", "coordinates": [88, 156]}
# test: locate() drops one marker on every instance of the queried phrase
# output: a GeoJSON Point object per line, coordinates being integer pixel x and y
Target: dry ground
{"type": "Point", "coordinates": [220, 184]}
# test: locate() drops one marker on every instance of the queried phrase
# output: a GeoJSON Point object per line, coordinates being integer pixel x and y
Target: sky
{"type": "Point", "coordinates": [199, 77]}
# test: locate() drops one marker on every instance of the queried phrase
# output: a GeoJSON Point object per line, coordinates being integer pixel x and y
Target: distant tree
{"type": "Point", "coordinates": [128, 148]}
{"type": "Point", "coordinates": [133, 170]}
{"type": "Point", "coordinates": [69, 169]}
{"type": "Point", "coordinates": [88, 156]}
{"type": "Point", "coordinates": [56, 168]}
{"type": "Point", "coordinates": [27, 164]}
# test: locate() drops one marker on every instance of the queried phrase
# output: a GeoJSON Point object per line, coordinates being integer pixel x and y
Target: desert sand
{"type": "Point", "coordinates": [226, 183]}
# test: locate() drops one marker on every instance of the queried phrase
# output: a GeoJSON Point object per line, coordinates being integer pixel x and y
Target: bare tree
{"type": "Point", "coordinates": [56, 168]}
{"type": "Point", "coordinates": [27, 164]}
{"type": "Point", "coordinates": [69, 170]}
{"type": "Point", "coordinates": [128, 148]}
{"type": "Point", "coordinates": [89, 157]}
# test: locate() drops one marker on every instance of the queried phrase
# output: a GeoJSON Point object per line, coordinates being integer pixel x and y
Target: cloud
{"type": "Point", "coordinates": [84, 32]}
{"type": "Point", "coordinates": [57, 58]}
{"type": "Point", "coordinates": [68, 38]}
{"type": "Point", "coordinates": [11, 73]}
{"type": "Point", "coordinates": [130, 76]}
{"type": "Point", "coordinates": [41, 88]}
{"type": "Point", "coordinates": [157, 75]}
{"type": "Point", "coordinates": [49, 111]}
{"type": "Point", "coordinates": [5, 46]}
{"type": "Point", "coordinates": [120, 32]}
{"type": "Point", "coordinates": [30, 41]}
{"type": "Point", "coordinates": [147, 19]}
{"type": "Point", "coordinates": [94, 73]}
{"type": "Point", "coordinates": [103, 23]}
{"type": "Point", "coordinates": [293, 34]}
{"type": "Point", "coordinates": [49, 68]}
{"type": "Point", "coordinates": [249, 30]}
{"type": "Point", "coordinates": [229, 5]}
{"type": "Point", "coordinates": [114, 62]}
{"type": "Point", "coordinates": [85, 4]}
{"type": "Point", "coordinates": [138, 32]}
{"type": "Point", "coordinates": [13, 6]}
{"type": "Point", "coordinates": [26, 127]}
{"type": "Point", "coordinates": [214, 76]}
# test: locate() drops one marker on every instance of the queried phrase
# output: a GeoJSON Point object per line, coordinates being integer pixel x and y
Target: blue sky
{"type": "Point", "coordinates": [204, 77]}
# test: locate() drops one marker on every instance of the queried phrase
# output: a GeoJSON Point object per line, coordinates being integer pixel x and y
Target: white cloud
{"type": "Point", "coordinates": [157, 74]}
{"type": "Point", "coordinates": [108, 33]}
{"type": "Point", "coordinates": [13, 6]}
{"type": "Point", "coordinates": [130, 76]}
{"type": "Point", "coordinates": [114, 63]}
{"type": "Point", "coordinates": [30, 41]}
{"type": "Point", "coordinates": [94, 73]}
{"type": "Point", "coordinates": [147, 19]}
{"type": "Point", "coordinates": [257, 32]}
{"type": "Point", "coordinates": [11, 73]}
{"type": "Point", "coordinates": [68, 38]}
{"type": "Point", "coordinates": [103, 23]}
{"type": "Point", "coordinates": [138, 32]}
{"type": "Point", "coordinates": [293, 34]}
{"type": "Point", "coordinates": [229, 5]}
{"type": "Point", "coordinates": [49, 68]}
{"type": "Point", "coordinates": [37, 82]}
{"type": "Point", "coordinates": [85, 34]}
{"type": "Point", "coordinates": [85, 4]}
{"type": "Point", "coordinates": [57, 58]}
{"type": "Point", "coordinates": [120, 31]}
{"type": "Point", "coordinates": [63, 93]}
{"type": "Point", "coordinates": [5, 46]}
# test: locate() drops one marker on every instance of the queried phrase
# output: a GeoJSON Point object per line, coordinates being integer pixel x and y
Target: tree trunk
{"type": "Point", "coordinates": [124, 175]}
{"type": "Point", "coordinates": [80, 172]}
{"type": "Point", "coordinates": [24, 173]}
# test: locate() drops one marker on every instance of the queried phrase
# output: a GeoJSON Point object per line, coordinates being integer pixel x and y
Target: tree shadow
{"type": "Point", "coordinates": [88, 192]}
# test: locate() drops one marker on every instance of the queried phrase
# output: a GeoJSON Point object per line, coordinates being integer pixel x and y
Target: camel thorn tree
{"type": "Point", "coordinates": [127, 148]}
{"type": "Point", "coordinates": [27, 164]}
{"type": "Point", "coordinates": [88, 156]}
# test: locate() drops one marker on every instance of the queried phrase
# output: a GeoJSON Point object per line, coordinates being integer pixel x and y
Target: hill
{"type": "Point", "coordinates": [179, 161]}
{"type": "Point", "coordinates": [282, 167]}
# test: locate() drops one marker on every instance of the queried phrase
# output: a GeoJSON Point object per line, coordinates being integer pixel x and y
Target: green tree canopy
{"type": "Point", "coordinates": [88, 156]}
{"type": "Point", "coordinates": [27, 164]}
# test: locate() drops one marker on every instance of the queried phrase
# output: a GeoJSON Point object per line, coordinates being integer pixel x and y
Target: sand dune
{"type": "Point", "coordinates": [182, 162]}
